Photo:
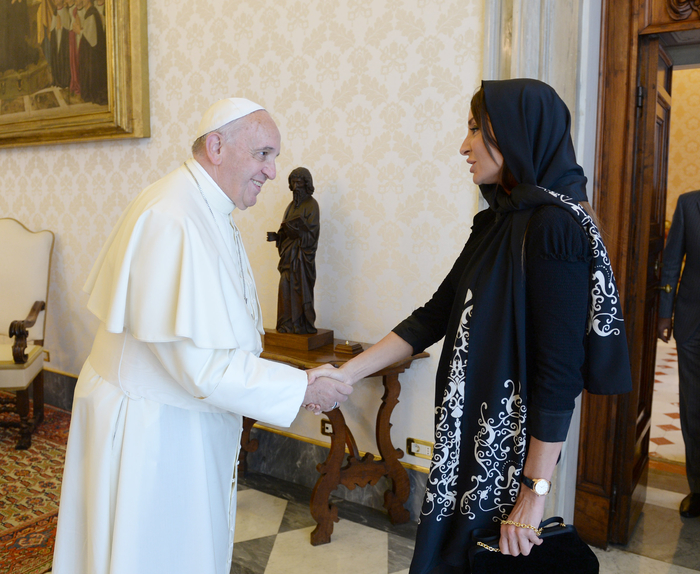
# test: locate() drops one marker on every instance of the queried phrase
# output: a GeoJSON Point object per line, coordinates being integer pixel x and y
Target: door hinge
{"type": "Point", "coordinates": [640, 96]}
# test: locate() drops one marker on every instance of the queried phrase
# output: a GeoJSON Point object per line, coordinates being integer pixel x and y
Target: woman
{"type": "Point", "coordinates": [530, 316]}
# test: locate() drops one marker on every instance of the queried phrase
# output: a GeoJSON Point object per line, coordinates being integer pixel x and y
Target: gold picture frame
{"type": "Point", "coordinates": [52, 114]}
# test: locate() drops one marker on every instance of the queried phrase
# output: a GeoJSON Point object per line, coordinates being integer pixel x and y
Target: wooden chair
{"type": "Point", "coordinates": [25, 261]}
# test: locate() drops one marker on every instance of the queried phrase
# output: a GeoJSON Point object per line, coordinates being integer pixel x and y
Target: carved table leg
{"type": "Point", "coordinates": [247, 445]}
{"type": "Point", "coordinates": [323, 512]}
{"type": "Point", "coordinates": [396, 497]}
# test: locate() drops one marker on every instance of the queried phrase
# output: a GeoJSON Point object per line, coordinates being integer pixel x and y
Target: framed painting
{"type": "Point", "coordinates": [72, 70]}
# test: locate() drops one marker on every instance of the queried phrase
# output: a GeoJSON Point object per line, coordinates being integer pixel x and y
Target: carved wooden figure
{"type": "Point", "coordinates": [296, 241]}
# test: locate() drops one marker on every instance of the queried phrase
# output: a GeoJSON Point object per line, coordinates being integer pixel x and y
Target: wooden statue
{"type": "Point", "coordinates": [296, 241]}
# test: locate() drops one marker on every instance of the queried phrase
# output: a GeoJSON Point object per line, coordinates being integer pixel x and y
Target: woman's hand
{"type": "Point", "coordinates": [528, 509]}
{"type": "Point", "coordinates": [327, 371]}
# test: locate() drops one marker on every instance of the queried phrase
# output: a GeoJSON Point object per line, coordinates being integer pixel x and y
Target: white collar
{"type": "Point", "coordinates": [211, 190]}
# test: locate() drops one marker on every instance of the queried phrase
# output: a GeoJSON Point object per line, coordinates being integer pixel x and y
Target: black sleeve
{"type": "Point", "coordinates": [674, 252]}
{"type": "Point", "coordinates": [558, 259]}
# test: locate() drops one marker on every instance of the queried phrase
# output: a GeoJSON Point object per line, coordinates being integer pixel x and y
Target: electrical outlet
{"type": "Point", "coordinates": [419, 448]}
{"type": "Point", "coordinates": [326, 427]}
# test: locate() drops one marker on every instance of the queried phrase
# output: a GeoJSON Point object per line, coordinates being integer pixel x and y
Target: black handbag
{"type": "Point", "coordinates": [561, 551]}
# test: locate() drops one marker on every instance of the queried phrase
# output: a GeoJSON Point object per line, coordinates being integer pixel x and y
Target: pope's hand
{"type": "Point", "coordinates": [325, 394]}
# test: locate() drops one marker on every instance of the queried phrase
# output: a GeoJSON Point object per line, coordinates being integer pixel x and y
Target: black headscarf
{"type": "Point", "coordinates": [532, 126]}
{"type": "Point", "coordinates": [482, 378]}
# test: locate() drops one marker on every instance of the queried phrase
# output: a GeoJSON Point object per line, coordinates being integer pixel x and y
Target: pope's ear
{"type": "Point", "coordinates": [213, 145]}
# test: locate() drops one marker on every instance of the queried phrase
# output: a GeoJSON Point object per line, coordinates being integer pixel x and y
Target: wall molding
{"type": "Point", "coordinates": [295, 459]}
{"type": "Point", "coordinates": [327, 445]}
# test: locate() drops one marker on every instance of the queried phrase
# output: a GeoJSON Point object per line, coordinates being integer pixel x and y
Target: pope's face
{"type": "Point", "coordinates": [483, 167]}
{"type": "Point", "coordinates": [248, 161]}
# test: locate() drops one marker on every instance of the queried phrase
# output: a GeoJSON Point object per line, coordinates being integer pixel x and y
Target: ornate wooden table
{"type": "Point", "coordinates": [357, 471]}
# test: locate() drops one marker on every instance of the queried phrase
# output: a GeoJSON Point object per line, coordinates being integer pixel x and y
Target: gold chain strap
{"type": "Point", "coordinates": [537, 531]}
{"type": "Point", "coordinates": [490, 548]}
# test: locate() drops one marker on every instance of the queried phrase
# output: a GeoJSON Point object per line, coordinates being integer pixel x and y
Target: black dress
{"type": "Point", "coordinates": [531, 316]}
{"type": "Point", "coordinates": [557, 262]}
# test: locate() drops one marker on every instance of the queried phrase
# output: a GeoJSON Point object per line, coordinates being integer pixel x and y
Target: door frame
{"type": "Point", "coordinates": [607, 503]}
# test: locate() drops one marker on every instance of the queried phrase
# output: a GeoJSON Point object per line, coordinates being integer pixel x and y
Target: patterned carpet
{"type": "Point", "coordinates": [30, 484]}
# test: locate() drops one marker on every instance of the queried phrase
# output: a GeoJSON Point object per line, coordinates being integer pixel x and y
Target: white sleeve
{"type": "Point", "coordinates": [235, 380]}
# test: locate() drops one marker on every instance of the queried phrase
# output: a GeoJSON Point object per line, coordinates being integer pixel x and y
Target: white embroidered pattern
{"type": "Point", "coordinates": [441, 492]}
{"type": "Point", "coordinates": [605, 308]}
{"type": "Point", "coordinates": [499, 449]}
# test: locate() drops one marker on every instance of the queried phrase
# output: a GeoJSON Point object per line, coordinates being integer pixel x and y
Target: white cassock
{"type": "Point", "coordinates": [150, 479]}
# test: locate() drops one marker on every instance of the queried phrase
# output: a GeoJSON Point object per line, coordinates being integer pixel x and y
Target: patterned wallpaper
{"type": "Point", "coordinates": [372, 97]}
{"type": "Point", "coordinates": [684, 145]}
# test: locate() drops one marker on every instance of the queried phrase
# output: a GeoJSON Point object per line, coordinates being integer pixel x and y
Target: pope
{"type": "Point", "coordinates": [150, 475]}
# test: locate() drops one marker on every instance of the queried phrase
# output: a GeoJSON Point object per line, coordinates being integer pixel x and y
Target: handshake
{"type": "Point", "coordinates": [327, 388]}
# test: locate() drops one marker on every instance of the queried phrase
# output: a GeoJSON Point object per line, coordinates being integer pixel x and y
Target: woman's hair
{"type": "Point", "coordinates": [588, 208]}
{"type": "Point", "coordinates": [481, 117]}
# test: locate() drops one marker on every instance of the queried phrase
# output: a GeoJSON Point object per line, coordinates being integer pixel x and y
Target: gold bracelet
{"type": "Point", "coordinates": [537, 531]}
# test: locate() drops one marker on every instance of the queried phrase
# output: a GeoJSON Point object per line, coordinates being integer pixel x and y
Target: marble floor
{"type": "Point", "coordinates": [666, 440]}
{"type": "Point", "coordinates": [273, 526]}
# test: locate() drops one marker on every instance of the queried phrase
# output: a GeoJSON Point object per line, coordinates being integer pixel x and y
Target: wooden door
{"type": "Point", "coordinates": [651, 171]}
{"type": "Point", "coordinates": [613, 455]}
{"type": "Point", "coordinates": [610, 486]}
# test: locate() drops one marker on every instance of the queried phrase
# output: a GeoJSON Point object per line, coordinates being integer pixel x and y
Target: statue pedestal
{"type": "Point", "coordinates": [300, 342]}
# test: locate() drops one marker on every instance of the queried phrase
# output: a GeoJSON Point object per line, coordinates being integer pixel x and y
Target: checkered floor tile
{"type": "Point", "coordinates": [273, 525]}
{"type": "Point", "coordinates": [666, 442]}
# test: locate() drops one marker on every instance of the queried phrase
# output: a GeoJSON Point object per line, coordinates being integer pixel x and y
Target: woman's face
{"type": "Point", "coordinates": [484, 168]}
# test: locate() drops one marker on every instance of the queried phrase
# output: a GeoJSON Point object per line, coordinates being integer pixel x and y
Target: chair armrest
{"type": "Point", "coordinates": [18, 330]}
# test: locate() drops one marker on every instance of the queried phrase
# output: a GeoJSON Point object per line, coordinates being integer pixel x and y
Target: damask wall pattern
{"type": "Point", "coordinates": [372, 97]}
{"type": "Point", "coordinates": [684, 143]}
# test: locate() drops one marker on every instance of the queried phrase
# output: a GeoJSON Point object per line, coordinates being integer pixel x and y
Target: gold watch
{"type": "Point", "coordinates": [540, 486]}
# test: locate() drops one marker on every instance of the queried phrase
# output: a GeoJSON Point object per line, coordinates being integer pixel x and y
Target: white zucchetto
{"type": "Point", "coordinates": [223, 112]}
